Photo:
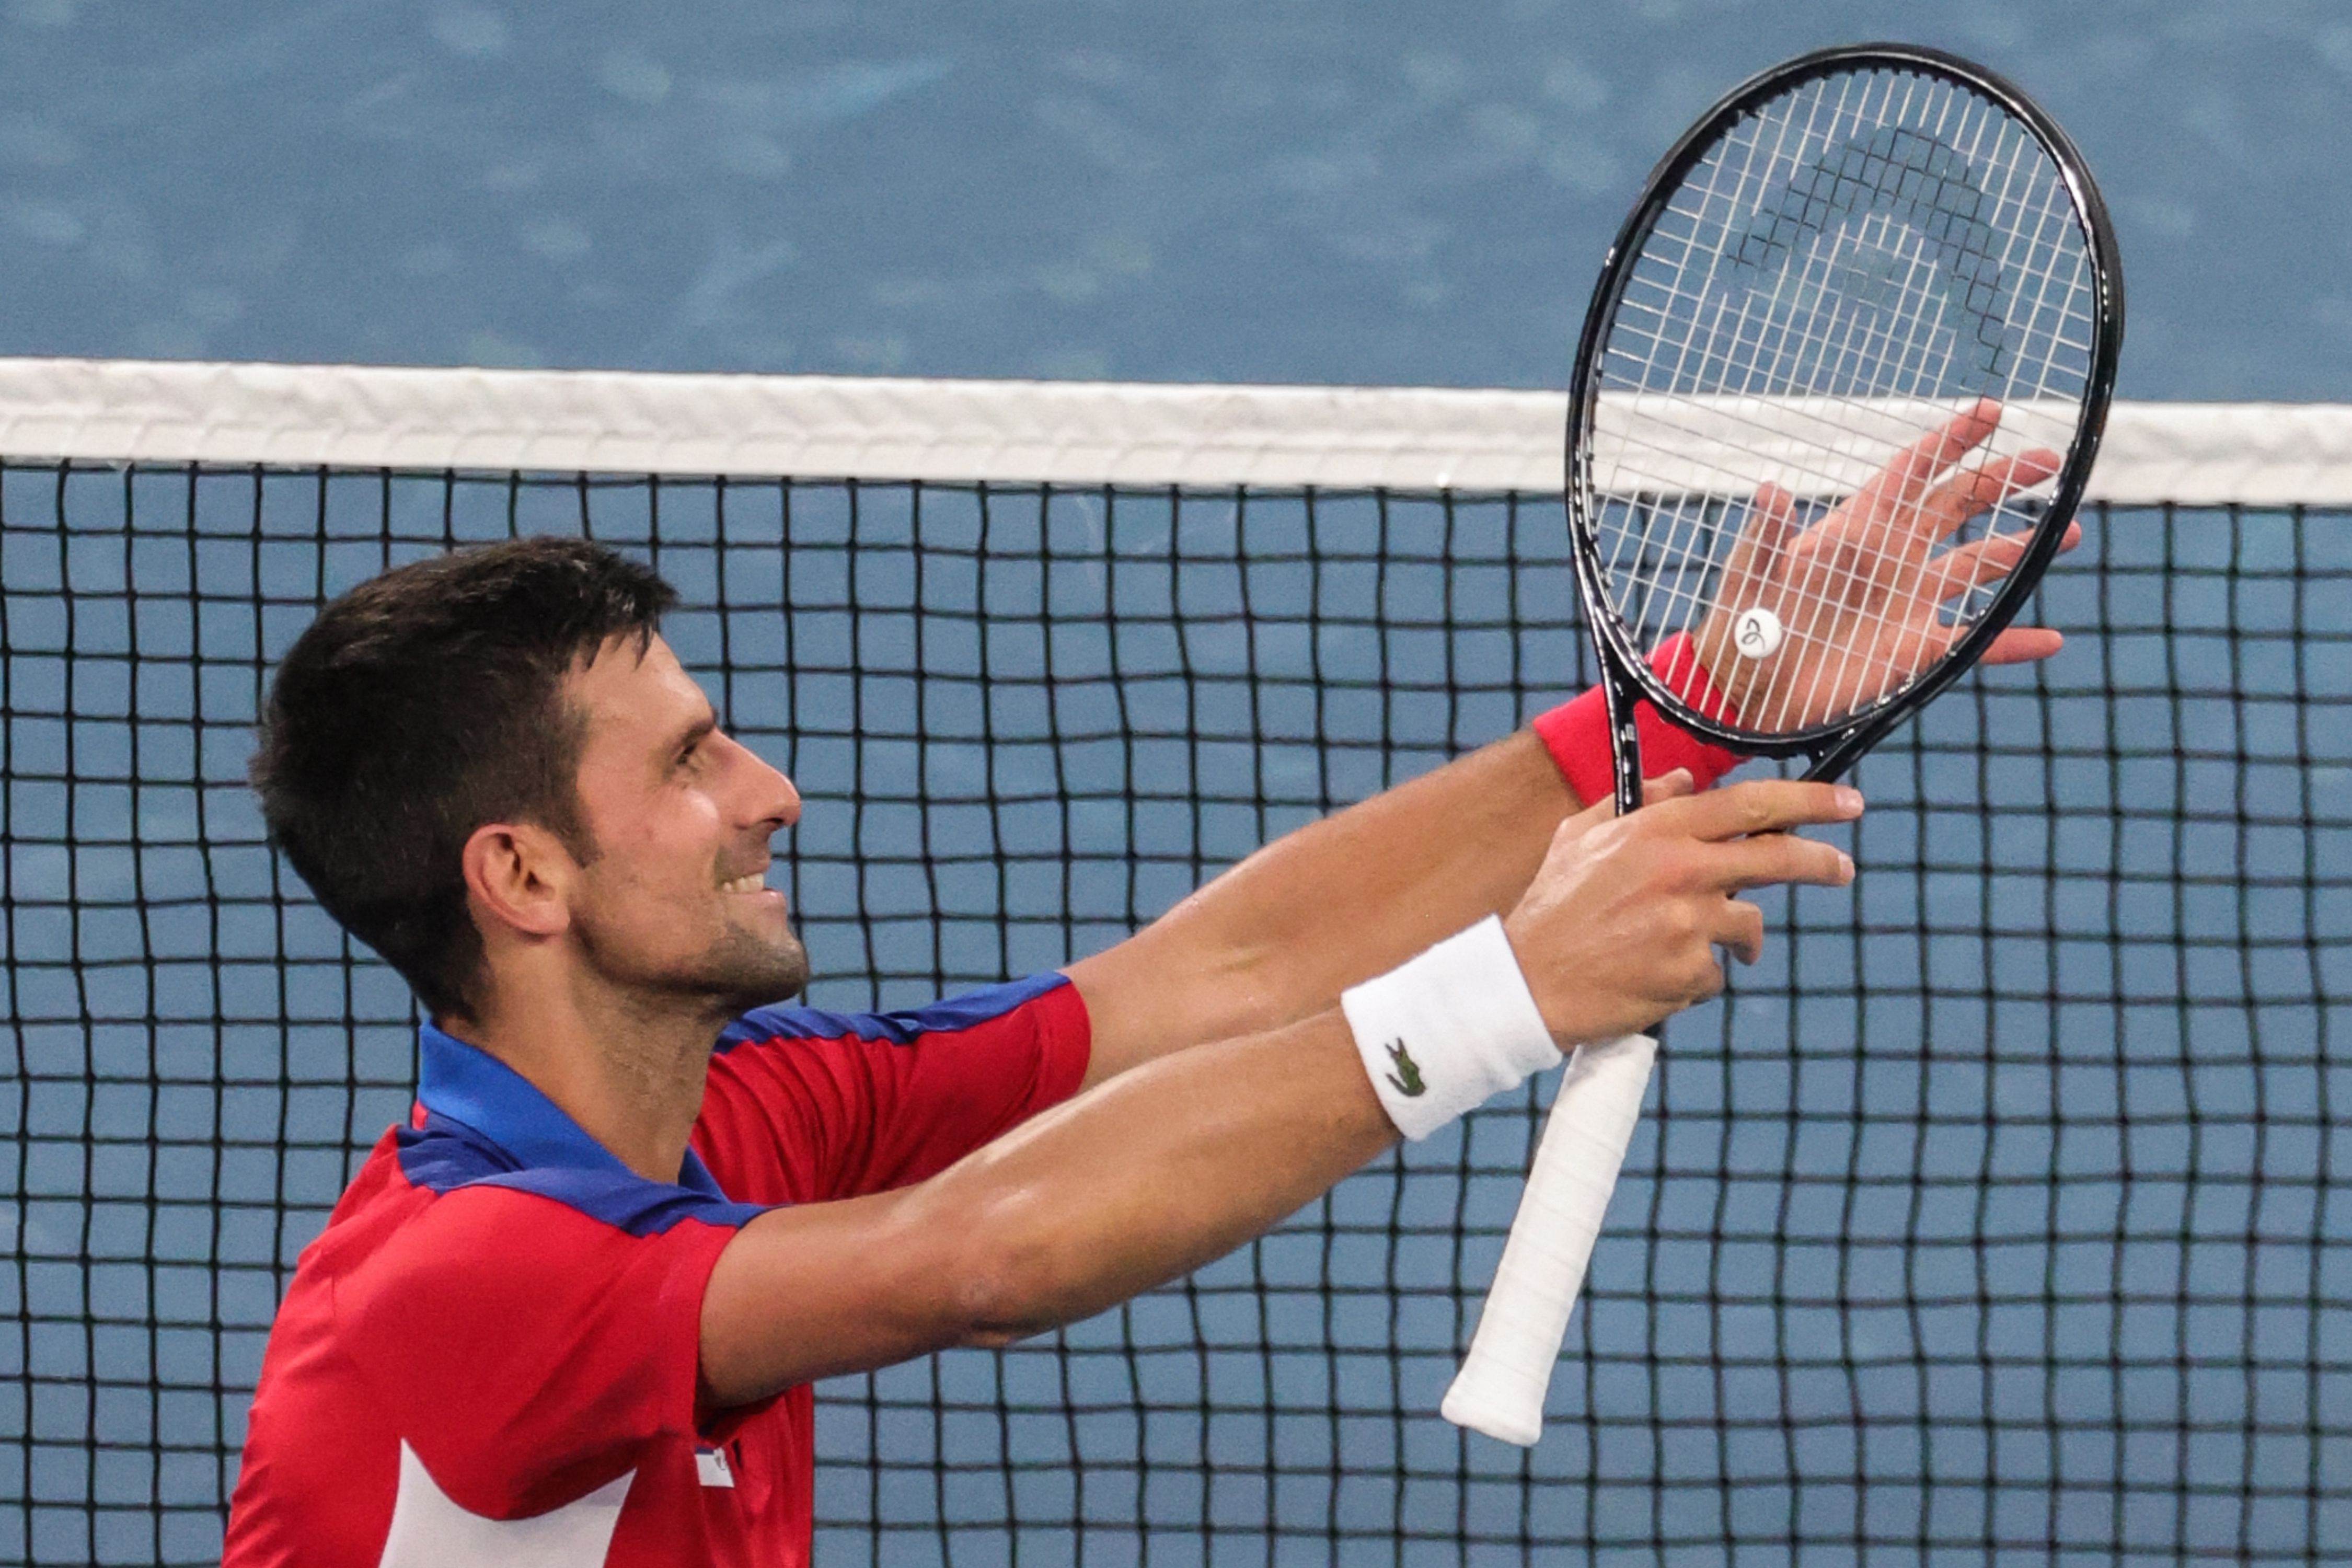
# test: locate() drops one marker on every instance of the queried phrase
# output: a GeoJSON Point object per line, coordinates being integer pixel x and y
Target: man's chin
{"type": "Point", "coordinates": [735, 979]}
{"type": "Point", "coordinates": [740, 970]}
{"type": "Point", "coordinates": [749, 974]}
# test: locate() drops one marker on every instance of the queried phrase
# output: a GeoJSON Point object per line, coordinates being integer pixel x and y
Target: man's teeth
{"type": "Point", "coordinates": [750, 883]}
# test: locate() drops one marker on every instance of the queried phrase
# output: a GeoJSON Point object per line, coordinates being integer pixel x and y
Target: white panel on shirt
{"type": "Point", "coordinates": [429, 1530]}
{"type": "Point", "coordinates": [710, 1465]}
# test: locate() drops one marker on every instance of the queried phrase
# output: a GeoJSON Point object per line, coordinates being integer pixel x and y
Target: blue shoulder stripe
{"type": "Point", "coordinates": [446, 1156]}
{"type": "Point", "coordinates": [628, 1202]}
{"type": "Point", "coordinates": [903, 1028]}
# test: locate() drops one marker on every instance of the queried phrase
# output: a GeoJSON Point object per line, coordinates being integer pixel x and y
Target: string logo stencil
{"type": "Point", "coordinates": [1757, 633]}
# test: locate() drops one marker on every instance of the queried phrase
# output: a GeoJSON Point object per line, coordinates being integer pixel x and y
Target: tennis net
{"type": "Point", "coordinates": [1997, 1211]}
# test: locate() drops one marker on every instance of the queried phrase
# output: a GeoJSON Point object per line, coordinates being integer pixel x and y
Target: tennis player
{"type": "Point", "coordinates": [570, 1311]}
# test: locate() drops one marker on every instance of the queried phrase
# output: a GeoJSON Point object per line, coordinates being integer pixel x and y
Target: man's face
{"type": "Point", "coordinates": [676, 902]}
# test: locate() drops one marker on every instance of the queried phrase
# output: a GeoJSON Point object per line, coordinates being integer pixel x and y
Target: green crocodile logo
{"type": "Point", "coordinates": [1407, 1076]}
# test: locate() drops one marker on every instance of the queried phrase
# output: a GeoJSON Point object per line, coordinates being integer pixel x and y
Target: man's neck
{"type": "Point", "coordinates": [629, 1072]}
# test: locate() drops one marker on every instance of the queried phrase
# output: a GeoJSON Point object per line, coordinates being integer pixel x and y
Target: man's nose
{"type": "Point", "coordinates": [788, 796]}
{"type": "Point", "coordinates": [771, 795]}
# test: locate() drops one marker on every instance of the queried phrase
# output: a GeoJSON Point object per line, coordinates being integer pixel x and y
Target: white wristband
{"type": "Point", "coordinates": [1441, 1033]}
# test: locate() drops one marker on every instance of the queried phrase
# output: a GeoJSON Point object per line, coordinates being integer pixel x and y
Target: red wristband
{"type": "Point", "coordinates": [1577, 731]}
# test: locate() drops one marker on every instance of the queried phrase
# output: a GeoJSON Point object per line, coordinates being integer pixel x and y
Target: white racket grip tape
{"type": "Point", "coordinates": [1501, 1386]}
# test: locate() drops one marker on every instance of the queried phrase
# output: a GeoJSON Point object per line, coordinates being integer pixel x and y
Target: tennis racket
{"type": "Point", "coordinates": [1835, 402]}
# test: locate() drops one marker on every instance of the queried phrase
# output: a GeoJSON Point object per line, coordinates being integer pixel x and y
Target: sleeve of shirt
{"type": "Point", "coordinates": [527, 1352]}
{"type": "Point", "coordinates": [804, 1105]}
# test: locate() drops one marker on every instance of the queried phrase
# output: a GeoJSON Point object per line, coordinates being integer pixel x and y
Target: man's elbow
{"type": "Point", "coordinates": [1012, 1278]}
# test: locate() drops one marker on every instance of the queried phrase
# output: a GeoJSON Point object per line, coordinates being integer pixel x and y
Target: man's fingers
{"type": "Point", "coordinates": [1964, 494]}
{"type": "Point", "coordinates": [1773, 859]}
{"type": "Point", "coordinates": [1897, 518]}
{"type": "Point", "coordinates": [1758, 806]}
{"type": "Point", "coordinates": [1968, 565]}
{"type": "Point", "coordinates": [2022, 644]}
{"type": "Point", "coordinates": [1740, 929]}
{"type": "Point", "coordinates": [1670, 785]}
{"type": "Point", "coordinates": [1757, 550]}
{"type": "Point", "coordinates": [1905, 478]}
{"type": "Point", "coordinates": [1972, 566]}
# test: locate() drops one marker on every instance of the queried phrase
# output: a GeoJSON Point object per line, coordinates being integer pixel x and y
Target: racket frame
{"type": "Point", "coordinates": [1625, 673]}
{"type": "Point", "coordinates": [1487, 1394]}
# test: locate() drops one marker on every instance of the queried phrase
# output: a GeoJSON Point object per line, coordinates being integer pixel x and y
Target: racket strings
{"type": "Point", "coordinates": [1927, 357]}
{"type": "Point", "coordinates": [1815, 276]}
{"type": "Point", "coordinates": [1815, 345]}
{"type": "Point", "coordinates": [1825, 265]}
{"type": "Point", "coordinates": [1851, 266]}
{"type": "Point", "coordinates": [1664, 582]}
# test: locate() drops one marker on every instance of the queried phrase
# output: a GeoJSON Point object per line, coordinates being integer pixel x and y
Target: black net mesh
{"type": "Point", "coordinates": [1996, 1212]}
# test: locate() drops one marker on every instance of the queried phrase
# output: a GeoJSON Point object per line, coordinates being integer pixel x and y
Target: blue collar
{"type": "Point", "coordinates": [466, 1084]}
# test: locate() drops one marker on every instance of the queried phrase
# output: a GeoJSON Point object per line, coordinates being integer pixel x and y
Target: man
{"type": "Point", "coordinates": [570, 1312]}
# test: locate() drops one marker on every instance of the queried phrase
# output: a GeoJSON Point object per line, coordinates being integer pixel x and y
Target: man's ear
{"type": "Point", "coordinates": [520, 876]}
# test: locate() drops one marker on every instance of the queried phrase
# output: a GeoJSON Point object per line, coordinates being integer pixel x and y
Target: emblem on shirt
{"type": "Point", "coordinates": [710, 1465]}
{"type": "Point", "coordinates": [1407, 1076]}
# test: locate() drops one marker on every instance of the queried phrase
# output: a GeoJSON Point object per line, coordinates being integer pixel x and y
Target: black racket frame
{"type": "Point", "coordinates": [1625, 674]}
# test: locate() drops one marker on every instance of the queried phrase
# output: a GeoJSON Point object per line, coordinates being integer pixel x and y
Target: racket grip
{"type": "Point", "coordinates": [1500, 1389]}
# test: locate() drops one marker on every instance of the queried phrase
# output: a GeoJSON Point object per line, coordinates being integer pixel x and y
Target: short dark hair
{"type": "Point", "coordinates": [422, 704]}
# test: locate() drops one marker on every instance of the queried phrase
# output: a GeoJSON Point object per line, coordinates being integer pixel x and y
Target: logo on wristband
{"type": "Point", "coordinates": [1407, 1076]}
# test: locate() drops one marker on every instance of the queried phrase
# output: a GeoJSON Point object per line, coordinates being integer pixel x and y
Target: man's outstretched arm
{"type": "Point", "coordinates": [1186, 1157]}
{"type": "Point", "coordinates": [1280, 935]}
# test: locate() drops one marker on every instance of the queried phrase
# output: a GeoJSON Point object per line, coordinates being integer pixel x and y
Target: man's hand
{"type": "Point", "coordinates": [1859, 592]}
{"type": "Point", "coordinates": [1619, 928]}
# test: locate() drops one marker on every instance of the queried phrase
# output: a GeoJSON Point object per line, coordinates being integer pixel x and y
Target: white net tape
{"type": "Point", "coordinates": [1073, 433]}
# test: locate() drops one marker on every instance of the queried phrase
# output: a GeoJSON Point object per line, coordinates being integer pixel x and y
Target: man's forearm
{"type": "Point", "coordinates": [1279, 936]}
{"type": "Point", "coordinates": [1086, 1205]}
{"type": "Point", "coordinates": [1178, 1168]}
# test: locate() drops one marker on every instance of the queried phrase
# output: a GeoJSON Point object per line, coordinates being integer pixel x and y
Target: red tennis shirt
{"type": "Point", "coordinates": [490, 1356]}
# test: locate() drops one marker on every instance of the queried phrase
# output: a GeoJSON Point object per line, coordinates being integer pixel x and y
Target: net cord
{"type": "Point", "coordinates": [406, 419]}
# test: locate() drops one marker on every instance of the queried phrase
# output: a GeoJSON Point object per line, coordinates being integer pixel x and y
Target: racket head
{"type": "Point", "coordinates": [1841, 257]}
